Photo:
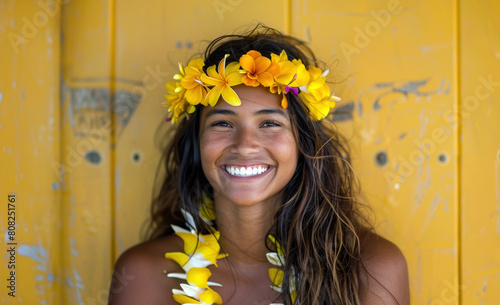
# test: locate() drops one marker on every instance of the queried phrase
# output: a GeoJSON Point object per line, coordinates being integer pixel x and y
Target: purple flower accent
{"type": "Point", "coordinates": [168, 120]}
{"type": "Point", "coordinates": [294, 90]}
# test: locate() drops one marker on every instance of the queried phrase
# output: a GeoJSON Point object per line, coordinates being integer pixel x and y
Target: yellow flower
{"type": "Point", "coordinates": [316, 95]}
{"type": "Point", "coordinates": [292, 74]}
{"type": "Point", "coordinates": [259, 70]}
{"type": "Point", "coordinates": [191, 81]}
{"type": "Point", "coordinates": [223, 80]}
{"type": "Point", "coordinates": [197, 291]}
{"type": "Point", "coordinates": [176, 101]}
{"type": "Point", "coordinates": [276, 275]}
{"type": "Point", "coordinates": [199, 251]}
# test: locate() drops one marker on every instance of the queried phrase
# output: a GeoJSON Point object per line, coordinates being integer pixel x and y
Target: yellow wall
{"type": "Point", "coordinates": [81, 84]}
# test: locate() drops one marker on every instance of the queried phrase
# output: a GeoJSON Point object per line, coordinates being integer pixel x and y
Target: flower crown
{"type": "Point", "coordinates": [193, 86]}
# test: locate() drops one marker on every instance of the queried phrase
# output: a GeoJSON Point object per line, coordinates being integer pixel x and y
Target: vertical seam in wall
{"type": "Point", "coordinates": [288, 16]}
{"type": "Point", "coordinates": [458, 76]}
{"type": "Point", "coordinates": [112, 151]}
{"type": "Point", "coordinates": [60, 266]}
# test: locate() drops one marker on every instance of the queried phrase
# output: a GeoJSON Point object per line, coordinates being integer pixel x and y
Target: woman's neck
{"type": "Point", "coordinates": [243, 231]}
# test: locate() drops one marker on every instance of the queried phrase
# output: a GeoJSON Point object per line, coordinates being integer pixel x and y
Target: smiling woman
{"type": "Point", "coordinates": [258, 191]}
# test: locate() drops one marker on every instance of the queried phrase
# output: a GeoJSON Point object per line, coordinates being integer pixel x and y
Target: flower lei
{"type": "Point", "coordinates": [193, 86]}
{"type": "Point", "coordinates": [203, 250]}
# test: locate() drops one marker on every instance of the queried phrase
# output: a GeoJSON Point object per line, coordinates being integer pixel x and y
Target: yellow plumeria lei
{"type": "Point", "coordinates": [192, 86]}
{"type": "Point", "coordinates": [203, 250]}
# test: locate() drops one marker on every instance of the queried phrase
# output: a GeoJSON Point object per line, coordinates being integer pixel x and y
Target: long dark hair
{"type": "Point", "coordinates": [318, 223]}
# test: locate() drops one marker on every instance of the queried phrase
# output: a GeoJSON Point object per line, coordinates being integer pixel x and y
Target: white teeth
{"type": "Point", "coordinates": [246, 172]}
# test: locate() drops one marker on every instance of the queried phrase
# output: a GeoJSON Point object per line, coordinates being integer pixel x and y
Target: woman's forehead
{"type": "Point", "coordinates": [253, 97]}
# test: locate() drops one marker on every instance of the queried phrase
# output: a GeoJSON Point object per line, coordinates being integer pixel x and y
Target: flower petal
{"type": "Point", "coordinates": [198, 276]}
{"type": "Point", "coordinates": [179, 257]}
{"type": "Point", "coordinates": [230, 96]}
{"type": "Point", "coordinates": [182, 299]}
{"type": "Point", "coordinates": [254, 54]}
{"type": "Point", "coordinates": [222, 66]}
{"type": "Point", "coordinates": [191, 290]}
{"type": "Point", "coordinates": [249, 81]}
{"type": "Point", "coordinates": [234, 79]}
{"type": "Point", "coordinates": [276, 276]}
{"type": "Point", "coordinates": [262, 63]}
{"type": "Point", "coordinates": [213, 95]}
{"type": "Point", "coordinates": [275, 259]}
{"type": "Point", "coordinates": [274, 69]}
{"type": "Point", "coordinates": [247, 63]}
{"type": "Point", "coordinates": [213, 77]}
{"type": "Point", "coordinates": [196, 95]}
{"type": "Point", "coordinates": [233, 67]}
{"type": "Point", "coordinates": [266, 79]}
{"type": "Point", "coordinates": [210, 297]}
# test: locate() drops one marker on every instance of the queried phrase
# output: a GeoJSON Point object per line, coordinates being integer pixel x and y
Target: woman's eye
{"type": "Point", "coordinates": [270, 124]}
{"type": "Point", "coordinates": [221, 124]}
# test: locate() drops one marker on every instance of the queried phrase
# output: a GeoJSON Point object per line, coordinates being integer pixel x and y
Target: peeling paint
{"type": "Point", "coordinates": [78, 285]}
{"type": "Point", "coordinates": [406, 88]}
{"type": "Point", "coordinates": [36, 253]}
{"type": "Point", "coordinates": [8, 149]}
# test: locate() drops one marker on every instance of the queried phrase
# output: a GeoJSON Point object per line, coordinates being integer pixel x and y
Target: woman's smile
{"type": "Point", "coordinates": [246, 171]}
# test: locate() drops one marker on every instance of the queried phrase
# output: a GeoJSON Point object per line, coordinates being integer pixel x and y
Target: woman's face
{"type": "Point", "coordinates": [248, 152]}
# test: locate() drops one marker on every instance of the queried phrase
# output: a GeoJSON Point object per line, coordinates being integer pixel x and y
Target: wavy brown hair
{"type": "Point", "coordinates": [317, 223]}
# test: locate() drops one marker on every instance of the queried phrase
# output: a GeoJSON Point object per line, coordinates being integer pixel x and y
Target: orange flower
{"type": "Point", "coordinates": [258, 69]}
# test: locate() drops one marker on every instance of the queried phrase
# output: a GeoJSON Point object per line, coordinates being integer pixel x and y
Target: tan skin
{"type": "Point", "coordinates": [256, 133]}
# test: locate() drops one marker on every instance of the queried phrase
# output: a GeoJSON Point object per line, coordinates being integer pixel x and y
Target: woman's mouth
{"type": "Point", "coordinates": [246, 171]}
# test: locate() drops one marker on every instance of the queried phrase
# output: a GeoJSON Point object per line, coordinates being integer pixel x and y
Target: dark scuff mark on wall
{"type": "Point", "coordinates": [343, 113]}
{"type": "Point", "coordinates": [408, 87]}
{"type": "Point", "coordinates": [93, 157]}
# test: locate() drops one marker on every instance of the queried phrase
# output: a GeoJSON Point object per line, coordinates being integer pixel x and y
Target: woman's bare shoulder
{"type": "Point", "coordinates": [139, 276]}
{"type": "Point", "coordinates": [385, 273]}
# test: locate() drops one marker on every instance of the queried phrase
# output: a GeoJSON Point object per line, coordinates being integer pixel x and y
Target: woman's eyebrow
{"type": "Point", "coordinates": [271, 111]}
{"type": "Point", "coordinates": [220, 111]}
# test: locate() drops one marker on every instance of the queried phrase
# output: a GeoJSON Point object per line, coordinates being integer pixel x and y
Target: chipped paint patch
{"type": "Point", "coordinates": [36, 253]}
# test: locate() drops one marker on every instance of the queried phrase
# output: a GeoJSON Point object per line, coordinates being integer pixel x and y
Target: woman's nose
{"type": "Point", "coordinates": [245, 142]}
